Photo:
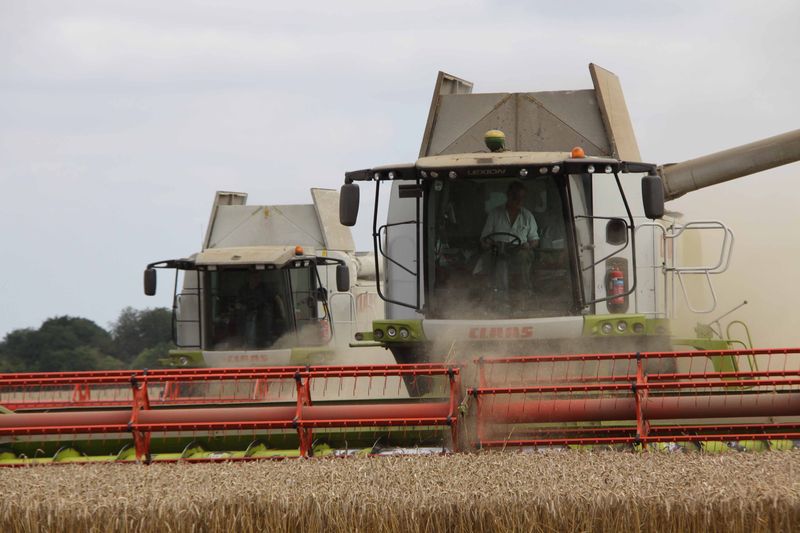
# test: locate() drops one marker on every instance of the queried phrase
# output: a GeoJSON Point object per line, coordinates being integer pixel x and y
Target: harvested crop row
{"type": "Point", "coordinates": [569, 491]}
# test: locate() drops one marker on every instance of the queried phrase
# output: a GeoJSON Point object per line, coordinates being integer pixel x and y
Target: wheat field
{"type": "Point", "coordinates": [539, 492]}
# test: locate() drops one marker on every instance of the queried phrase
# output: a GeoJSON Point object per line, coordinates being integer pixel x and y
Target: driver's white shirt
{"type": "Point", "coordinates": [523, 227]}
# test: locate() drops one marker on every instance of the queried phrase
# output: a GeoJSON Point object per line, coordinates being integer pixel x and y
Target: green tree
{"type": "Point", "coordinates": [61, 343]}
{"type": "Point", "coordinates": [138, 330]}
{"type": "Point", "coordinates": [138, 339]}
{"type": "Point", "coordinates": [150, 357]}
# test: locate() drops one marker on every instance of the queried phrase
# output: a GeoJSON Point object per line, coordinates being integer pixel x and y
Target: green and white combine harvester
{"type": "Point", "coordinates": [529, 275]}
{"type": "Point", "coordinates": [274, 285]}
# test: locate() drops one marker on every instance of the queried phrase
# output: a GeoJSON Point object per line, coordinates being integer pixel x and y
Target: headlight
{"type": "Point", "coordinates": [622, 326]}
{"type": "Point", "coordinates": [183, 361]}
{"type": "Point", "coordinates": [391, 331]}
{"type": "Point", "coordinates": [359, 336]}
{"type": "Point", "coordinates": [590, 169]}
{"type": "Point", "coordinates": [638, 327]}
{"type": "Point", "coordinates": [404, 333]}
{"type": "Point", "coordinates": [377, 334]}
{"type": "Point", "coordinates": [606, 328]}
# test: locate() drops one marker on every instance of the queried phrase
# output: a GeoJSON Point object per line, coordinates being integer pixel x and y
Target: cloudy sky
{"type": "Point", "coordinates": [119, 120]}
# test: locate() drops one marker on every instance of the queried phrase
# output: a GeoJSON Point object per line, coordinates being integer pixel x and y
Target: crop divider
{"type": "Point", "coordinates": [640, 393]}
{"type": "Point", "coordinates": [141, 401]}
{"type": "Point", "coordinates": [81, 393]}
{"type": "Point", "coordinates": [304, 434]}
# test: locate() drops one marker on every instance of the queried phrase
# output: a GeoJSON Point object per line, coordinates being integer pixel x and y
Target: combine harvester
{"type": "Point", "coordinates": [273, 285]}
{"type": "Point", "coordinates": [554, 331]}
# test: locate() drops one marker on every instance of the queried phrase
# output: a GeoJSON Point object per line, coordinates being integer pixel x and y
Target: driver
{"type": "Point", "coordinates": [513, 221]}
{"type": "Point", "coordinates": [264, 312]}
{"type": "Point", "coordinates": [511, 218]}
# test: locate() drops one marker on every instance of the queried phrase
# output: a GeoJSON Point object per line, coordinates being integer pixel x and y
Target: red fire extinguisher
{"type": "Point", "coordinates": [324, 330]}
{"type": "Point", "coordinates": [617, 286]}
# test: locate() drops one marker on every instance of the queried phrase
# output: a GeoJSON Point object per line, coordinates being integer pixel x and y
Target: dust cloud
{"type": "Point", "coordinates": [762, 210]}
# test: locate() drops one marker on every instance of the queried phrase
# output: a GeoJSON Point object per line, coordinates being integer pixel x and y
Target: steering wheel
{"type": "Point", "coordinates": [513, 245]}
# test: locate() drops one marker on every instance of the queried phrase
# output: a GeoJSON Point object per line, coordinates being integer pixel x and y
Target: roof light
{"type": "Point", "coordinates": [298, 250]}
{"type": "Point", "coordinates": [543, 170]}
{"type": "Point", "coordinates": [423, 174]}
{"type": "Point", "coordinates": [578, 152]}
{"type": "Point", "coordinates": [452, 175]}
{"type": "Point", "coordinates": [556, 169]}
{"type": "Point", "coordinates": [523, 172]}
{"type": "Point", "coordinates": [391, 174]}
{"type": "Point", "coordinates": [590, 169]}
{"type": "Point", "coordinates": [434, 174]}
{"type": "Point", "coordinates": [376, 176]}
{"type": "Point", "coordinates": [608, 169]}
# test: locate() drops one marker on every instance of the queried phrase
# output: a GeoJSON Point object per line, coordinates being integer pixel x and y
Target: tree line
{"type": "Point", "coordinates": [137, 339]}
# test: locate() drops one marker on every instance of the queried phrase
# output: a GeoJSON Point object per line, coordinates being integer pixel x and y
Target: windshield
{"type": "Point", "coordinates": [498, 248]}
{"type": "Point", "coordinates": [260, 309]}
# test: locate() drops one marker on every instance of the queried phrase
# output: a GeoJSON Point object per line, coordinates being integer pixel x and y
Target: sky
{"type": "Point", "coordinates": [119, 120]}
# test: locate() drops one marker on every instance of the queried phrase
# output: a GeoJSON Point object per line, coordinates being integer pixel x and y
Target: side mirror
{"type": "Point", "coordinates": [150, 282]}
{"type": "Point", "coordinates": [348, 204]}
{"type": "Point", "coordinates": [616, 231]}
{"type": "Point", "coordinates": [342, 278]}
{"type": "Point", "coordinates": [653, 196]}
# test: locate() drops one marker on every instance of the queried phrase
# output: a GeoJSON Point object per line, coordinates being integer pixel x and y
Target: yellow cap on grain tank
{"type": "Point", "coordinates": [495, 140]}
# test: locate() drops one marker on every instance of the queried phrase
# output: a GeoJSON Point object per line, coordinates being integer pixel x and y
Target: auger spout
{"type": "Point", "coordinates": [719, 167]}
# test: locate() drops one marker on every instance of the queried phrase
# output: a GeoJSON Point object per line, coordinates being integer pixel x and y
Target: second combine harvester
{"type": "Point", "coordinates": [273, 285]}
